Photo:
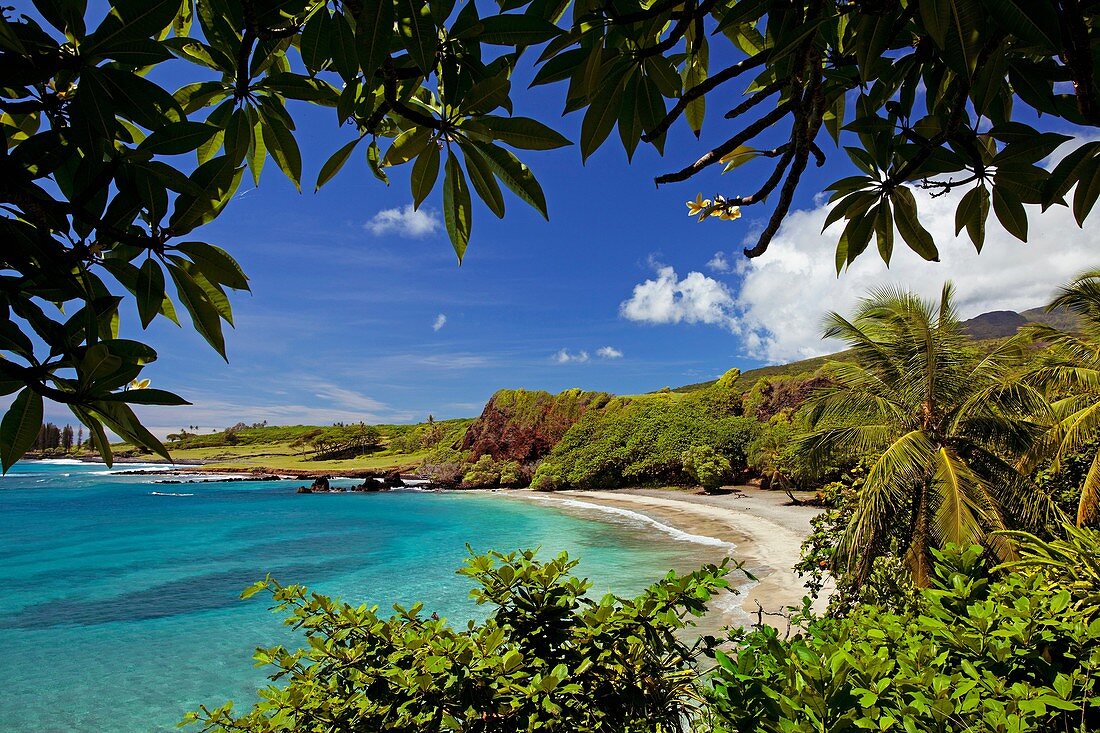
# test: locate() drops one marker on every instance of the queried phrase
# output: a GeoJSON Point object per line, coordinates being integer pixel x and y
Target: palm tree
{"type": "Point", "coordinates": [1070, 372]}
{"type": "Point", "coordinates": [942, 424]}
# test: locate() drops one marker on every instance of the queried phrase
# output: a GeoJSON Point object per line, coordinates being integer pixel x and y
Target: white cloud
{"type": "Point", "coordinates": [719, 263]}
{"type": "Point", "coordinates": [784, 294]}
{"type": "Point", "coordinates": [440, 322]}
{"type": "Point", "coordinates": [404, 221]}
{"type": "Point", "coordinates": [565, 357]}
{"type": "Point", "coordinates": [609, 352]}
{"type": "Point", "coordinates": [668, 299]}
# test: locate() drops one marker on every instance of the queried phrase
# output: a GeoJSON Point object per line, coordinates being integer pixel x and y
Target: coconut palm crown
{"type": "Point", "coordinates": [942, 424]}
{"type": "Point", "coordinates": [1069, 371]}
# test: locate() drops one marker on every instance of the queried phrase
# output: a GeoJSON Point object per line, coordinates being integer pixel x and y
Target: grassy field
{"type": "Point", "coordinates": [287, 457]}
{"type": "Point", "coordinates": [296, 448]}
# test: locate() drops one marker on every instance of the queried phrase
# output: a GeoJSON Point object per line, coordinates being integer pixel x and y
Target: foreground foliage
{"type": "Point", "coordinates": [1012, 652]}
{"type": "Point", "coordinates": [547, 658]}
{"type": "Point", "coordinates": [1007, 649]}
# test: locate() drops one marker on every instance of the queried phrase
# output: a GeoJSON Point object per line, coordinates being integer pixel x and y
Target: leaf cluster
{"type": "Point", "coordinates": [547, 658]}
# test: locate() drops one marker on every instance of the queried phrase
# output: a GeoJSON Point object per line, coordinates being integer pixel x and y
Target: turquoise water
{"type": "Point", "coordinates": [121, 606]}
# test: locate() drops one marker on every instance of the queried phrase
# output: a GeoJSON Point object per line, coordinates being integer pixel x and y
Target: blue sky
{"type": "Point", "coordinates": [619, 291]}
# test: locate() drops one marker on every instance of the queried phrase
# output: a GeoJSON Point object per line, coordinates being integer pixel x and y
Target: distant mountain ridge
{"type": "Point", "coordinates": [1000, 324]}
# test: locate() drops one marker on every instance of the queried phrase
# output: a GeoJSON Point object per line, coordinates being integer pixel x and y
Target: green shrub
{"type": "Point", "coordinates": [484, 474]}
{"type": "Point", "coordinates": [706, 466]}
{"type": "Point", "coordinates": [547, 658]}
{"type": "Point", "coordinates": [975, 654]}
{"type": "Point", "coordinates": [642, 441]}
{"type": "Point", "coordinates": [512, 473]}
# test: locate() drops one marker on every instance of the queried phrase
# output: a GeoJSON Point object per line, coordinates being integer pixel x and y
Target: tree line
{"type": "Point", "coordinates": [66, 438]}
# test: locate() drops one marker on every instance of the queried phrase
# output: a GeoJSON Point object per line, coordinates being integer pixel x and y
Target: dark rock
{"type": "Point", "coordinates": [304, 490]}
{"type": "Point", "coordinates": [321, 484]}
{"type": "Point", "coordinates": [393, 480]}
{"type": "Point", "coordinates": [371, 484]}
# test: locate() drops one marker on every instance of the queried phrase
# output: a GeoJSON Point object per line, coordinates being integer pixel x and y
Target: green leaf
{"type": "Point", "coordinates": [408, 145]}
{"type": "Point", "coordinates": [217, 180]}
{"type": "Point", "coordinates": [280, 142]}
{"type": "Point", "coordinates": [457, 208]}
{"type": "Point", "coordinates": [333, 165]}
{"type": "Point", "coordinates": [20, 427]}
{"type": "Point", "coordinates": [884, 231]}
{"type": "Point", "coordinates": [936, 17]}
{"type": "Point", "coordinates": [1034, 21]}
{"type": "Point", "coordinates": [216, 264]}
{"type": "Point", "coordinates": [374, 31]}
{"type": "Point", "coordinates": [515, 175]}
{"type": "Point", "coordinates": [345, 52]}
{"type": "Point", "coordinates": [130, 20]}
{"type": "Point", "coordinates": [374, 161]}
{"type": "Point", "coordinates": [1088, 188]}
{"type": "Point", "coordinates": [316, 40]}
{"type": "Point", "coordinates": [524, 133]}
{"type": "Point", "coordinates": [482, 178]}
{"type": "Point", "coordinates": [150, 291]}
{"type": "Point", "coordinates": [177, 138]}
{"type": "Point", "coordinates": [1010, 212]}
{"type": "Point", "coordinates": [238, 136]}
{"type": "Point", "coordinates": [972, 212]}
{"type": "Point", "coordinates": [602, 113]}
{"type": "Point", "coordinates": [257, 151]}
{"type": "Point", "coordinates": [425, 171]}
{"type": "Point", "coordinates": [661, 71]}
{"type": "Point", "coordinates": [418, 33]}
{"type": "Point", "coordinates": [203, 314]}
{"type": "Point", "coordinates": [1069, 171]}
{"type": "Point", "coordinates": [121, 419]}
{"type": "Point", "coordinates": [909, 226]}
{"type": "Point", "coordinates": [487, 95]}
{"type": "Point", "coordinates": [147, 396]}
{"type": "Point", "coordinates": [516, 30]}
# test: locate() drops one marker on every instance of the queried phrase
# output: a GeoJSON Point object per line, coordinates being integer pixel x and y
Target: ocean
{"type": "Point", "coordinates": [121, 595]}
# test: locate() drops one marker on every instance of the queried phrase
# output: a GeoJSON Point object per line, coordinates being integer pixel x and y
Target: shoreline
{"type": "Point", "coordinates": [760, 528]}
{"type": "Point", "coordinates": [749, 524]}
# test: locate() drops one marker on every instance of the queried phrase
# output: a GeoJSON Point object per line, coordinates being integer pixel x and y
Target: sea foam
{"type": "Point", "coordinates": [639, 518]}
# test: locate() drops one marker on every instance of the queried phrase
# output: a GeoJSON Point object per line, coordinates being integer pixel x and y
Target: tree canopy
{"type": "Point", "coordinates": [107, 175]}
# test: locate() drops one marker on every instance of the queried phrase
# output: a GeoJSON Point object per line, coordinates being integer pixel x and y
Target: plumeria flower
{"type": "Point", "coordinates": [730, 213]}
{"type": "Point", "coordinates": [699, 206]}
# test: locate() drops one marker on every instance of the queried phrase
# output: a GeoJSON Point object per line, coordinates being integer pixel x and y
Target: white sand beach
{"type": "Point", "coordinates": [763, 529]}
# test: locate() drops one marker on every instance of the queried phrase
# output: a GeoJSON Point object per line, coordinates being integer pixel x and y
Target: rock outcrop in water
{"type": "Point", "coordinates": [523, 426]}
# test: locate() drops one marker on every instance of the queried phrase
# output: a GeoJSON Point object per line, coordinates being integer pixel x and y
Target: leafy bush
{"type": "Point", "coordinates": [445, 466]}
{"type": "Point", "coordinates": [483, 474]}
{"type": "Point", "coordinates": [977, 654]}
{"type": "Point", "coordinates": [547, 658]}
{"type": "Point", "coordinates": [513, 473]}
{"type": "Point", "coordinates": [642, 440]}
{"type": "Point", "coordinates": [706, 466]}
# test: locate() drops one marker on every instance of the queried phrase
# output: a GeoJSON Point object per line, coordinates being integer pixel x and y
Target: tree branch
{"type": "Point", "coordinates": [701, 89]}
{"type": "Point", "coordinates": [729, 146]}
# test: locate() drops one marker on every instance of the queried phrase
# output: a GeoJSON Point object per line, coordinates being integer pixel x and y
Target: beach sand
{"type": "Point", "coordinates": [763, 528]}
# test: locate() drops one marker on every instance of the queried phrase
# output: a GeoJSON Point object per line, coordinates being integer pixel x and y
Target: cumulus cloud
{"type": "Point", "coordinates": [566, 357]}
{"type": "Point", "coordinates": [440, 322]}
{"type": "Point", "coordinates": [404, 221]}
{"type": "Point", "coordinates": [669, 299]}
{"type": "Point", "coordinates": [609, 352]}
{"type": "Point", "coordinates": [783, 296]}
{"type": "Point", "coordinates": [719, 263]}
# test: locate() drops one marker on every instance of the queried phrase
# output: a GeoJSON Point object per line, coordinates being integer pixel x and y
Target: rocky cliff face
{"type": "Point", "coordinates": [521, 425]}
